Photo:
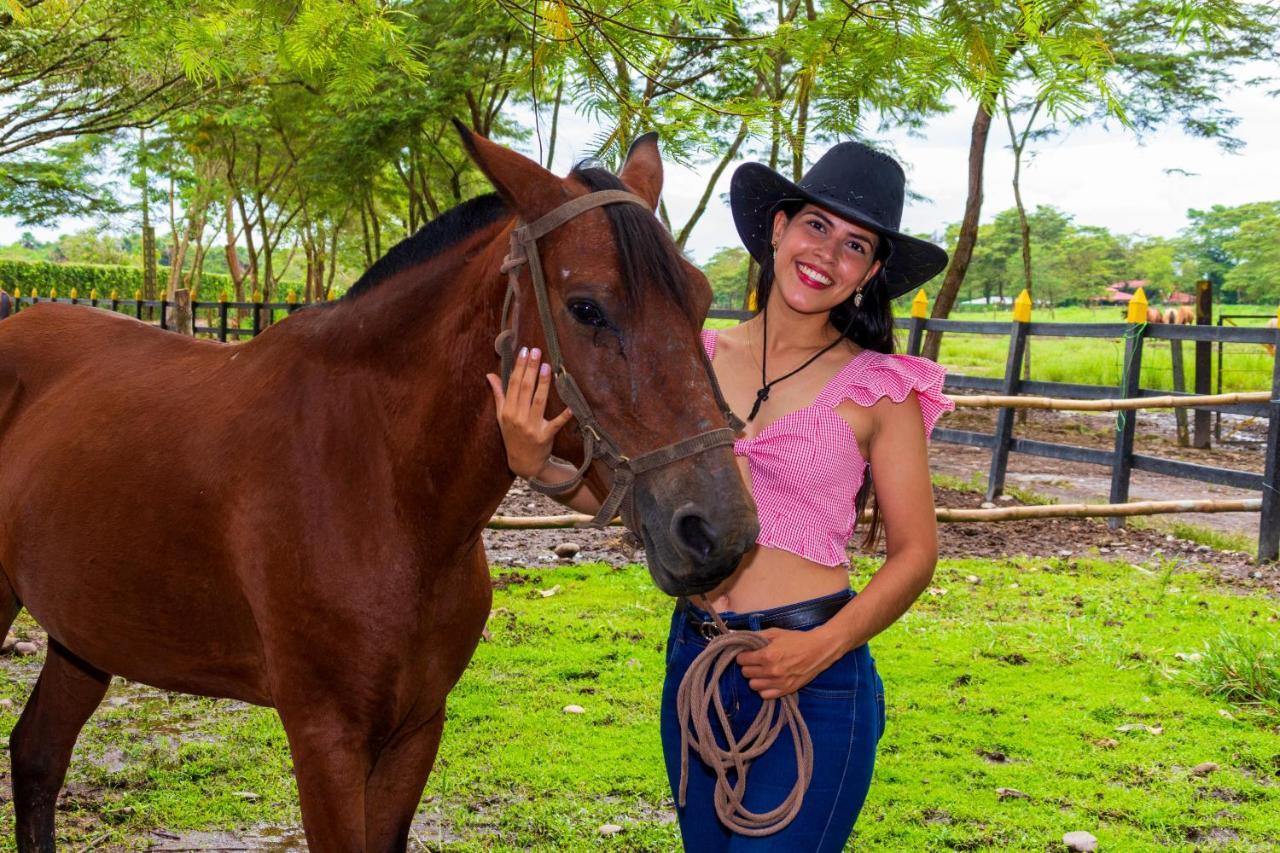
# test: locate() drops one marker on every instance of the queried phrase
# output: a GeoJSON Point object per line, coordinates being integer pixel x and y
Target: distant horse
{"type": "Point", "coordinates": [1180, 315]}
{"type": "Point", "coordinates": [295, 521]}
{"type": "Point", "coordinates": [1154, 315]}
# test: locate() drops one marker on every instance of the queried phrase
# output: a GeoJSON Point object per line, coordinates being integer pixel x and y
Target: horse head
{"type": "Point", "coordinates": [627, 310]}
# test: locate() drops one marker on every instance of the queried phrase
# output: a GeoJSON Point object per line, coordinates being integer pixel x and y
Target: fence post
{"type": "Point", "coordinates": [164, 313]}
{"type": "Point", "coordinates": [1012, 383]}
{"type": "Point", "coordinates": [1179, 384]}
{"type": "Point", "coordinates": [1269, 523]}
{"type": "Point", "coordinates": [1204, 362]}
{"type": "Point", "coordinates": [1126, 422]}
{"type": "Point", "coordinates": [115, 300]}
{"type": "Point", "coordinates": [257, 313]}
{"type": "Point", "coordinates": [182, 320]}
{"type": "Point", "coordinates": [137, 303]}
{"type": "Point", "coordinates": [222, 316]}
{"type": "Point", "coordinates": [919, 314]}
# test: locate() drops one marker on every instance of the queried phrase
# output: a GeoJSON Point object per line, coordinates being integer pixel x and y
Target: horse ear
{"type": "Point", "coordinates": [643, 170]}
{"type": "Point", "coordinates": [530, 189]}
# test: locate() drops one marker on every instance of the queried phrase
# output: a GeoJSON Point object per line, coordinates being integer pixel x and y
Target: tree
{"type": "Point", "coordinates": [1210, 243]}
{"type": "Point", "coordinates": [726, 270]}
{"type": "Point", "coordinates": [1255, 247]}
{"type": "Point", "coordinates": [1140, 62]}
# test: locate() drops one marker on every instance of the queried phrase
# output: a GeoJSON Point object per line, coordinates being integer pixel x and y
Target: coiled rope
{"type": "Point", "coordinates": [698, 696]}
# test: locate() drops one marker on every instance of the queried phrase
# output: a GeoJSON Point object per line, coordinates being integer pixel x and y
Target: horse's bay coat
{"type": "Point", "coordinates": [295, 521]}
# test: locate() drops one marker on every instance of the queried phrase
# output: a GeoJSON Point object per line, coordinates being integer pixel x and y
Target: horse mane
{"type": "Point", "coordinates": [431, 239]}
{"type": "Point", "coordinates": [646, 253]}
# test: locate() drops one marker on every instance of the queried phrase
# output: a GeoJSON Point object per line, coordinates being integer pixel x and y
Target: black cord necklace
{"type": "Point", "coordinates": [765, 384]}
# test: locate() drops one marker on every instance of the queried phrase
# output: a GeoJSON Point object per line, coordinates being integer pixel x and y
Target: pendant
{"type": "Point", "coordinates": [761, 396]}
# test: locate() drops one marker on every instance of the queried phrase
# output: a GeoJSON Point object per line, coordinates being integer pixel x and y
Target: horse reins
{"type": "Point", "coordinates": [596, 441]}
{"type": "Point", "coordinates": [700, 688]}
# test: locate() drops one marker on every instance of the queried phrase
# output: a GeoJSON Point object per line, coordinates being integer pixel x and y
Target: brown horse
{"type": "Point", "coordinates": [295, 521]}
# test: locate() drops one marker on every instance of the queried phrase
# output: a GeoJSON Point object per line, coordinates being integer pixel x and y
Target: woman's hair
{"type": "Point", "coordinates": [869, 325]}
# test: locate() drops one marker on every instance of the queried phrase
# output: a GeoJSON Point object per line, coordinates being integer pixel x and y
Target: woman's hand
{"type": "Point", "coordinates": [790, 661]}
{"type": "Point", "coordinates": [526, 432]}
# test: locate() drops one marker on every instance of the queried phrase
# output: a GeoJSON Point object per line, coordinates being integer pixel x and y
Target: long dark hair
{"type": "Point", "coordinates": [869, 325]}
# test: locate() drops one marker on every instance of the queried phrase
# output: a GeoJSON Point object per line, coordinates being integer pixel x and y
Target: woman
{"type": "Point", "coordinates": [826, 404]}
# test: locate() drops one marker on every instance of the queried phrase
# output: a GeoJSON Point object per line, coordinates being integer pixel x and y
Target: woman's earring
{"type": "Point", "coordinates": [857, 299]}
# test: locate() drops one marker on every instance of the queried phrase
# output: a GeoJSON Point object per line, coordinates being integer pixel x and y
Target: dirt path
{"type": "Point", "coordinates": [1243, 449]}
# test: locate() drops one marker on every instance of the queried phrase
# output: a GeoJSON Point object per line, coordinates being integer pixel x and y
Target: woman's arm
{"type": "Point", "coordinates": [526, 432]}
{"type": "Point", "coordinates": [904, 492]}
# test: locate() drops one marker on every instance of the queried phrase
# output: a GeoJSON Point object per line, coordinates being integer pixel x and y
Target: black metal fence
{"type": "Point", "coordinates": [222, 320]}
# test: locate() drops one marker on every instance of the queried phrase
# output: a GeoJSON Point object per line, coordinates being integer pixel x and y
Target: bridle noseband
{"type": "Point", "coordinates": [596, 442]}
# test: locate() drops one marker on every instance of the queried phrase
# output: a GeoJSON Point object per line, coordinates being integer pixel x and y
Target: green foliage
{"type": "Point", "coordinates": [56, 180]}
{"type": "Point", "coordinates": [1218, 240]}
{"type": "Point", "coordinates": [1256, 247]}
{"type": "Point", "coordinates": [40, 276]}
{"type": "Point", "coordinates": [727, 272]}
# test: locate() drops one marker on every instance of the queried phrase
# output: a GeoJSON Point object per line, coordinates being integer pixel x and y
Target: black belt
{"type": "Point", "coordinates": [791, 617]}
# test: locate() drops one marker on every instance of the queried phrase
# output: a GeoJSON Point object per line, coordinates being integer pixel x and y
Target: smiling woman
{"type": "Point", "coordinates": [828, 402]}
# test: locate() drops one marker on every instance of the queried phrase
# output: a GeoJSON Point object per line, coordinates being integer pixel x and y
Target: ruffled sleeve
{"type": "Point", "coordinates": [873, 375]}
{"type": "Point", "coordinates": [709, 342]}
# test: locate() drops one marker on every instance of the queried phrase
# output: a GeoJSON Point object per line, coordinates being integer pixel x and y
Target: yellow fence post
{"type": "Point", "coordinates": [1137, 307]}
{"type": "Point", "coordinates": [1022, 307]}
{"type": "Point", "coordinates": [919, 316]}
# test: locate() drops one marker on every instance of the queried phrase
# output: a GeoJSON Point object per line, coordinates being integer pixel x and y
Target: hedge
{"type": "Point", "coordinates": [41, 276]}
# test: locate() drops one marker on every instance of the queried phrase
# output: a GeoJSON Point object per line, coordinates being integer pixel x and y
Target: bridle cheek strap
{"type": "Point", "coordinates": [596, 442]}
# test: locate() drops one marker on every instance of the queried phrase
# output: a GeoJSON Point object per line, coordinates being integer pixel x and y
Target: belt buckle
{"type": "Point", "coordinates": [708, 630]}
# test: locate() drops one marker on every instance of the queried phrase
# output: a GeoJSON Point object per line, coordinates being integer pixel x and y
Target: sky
{"type": "Point", "coordinates": [1101, 176]}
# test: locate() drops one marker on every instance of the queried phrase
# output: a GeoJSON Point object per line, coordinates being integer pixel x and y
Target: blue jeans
{"type": "Point", "coordinates": [844, 710]}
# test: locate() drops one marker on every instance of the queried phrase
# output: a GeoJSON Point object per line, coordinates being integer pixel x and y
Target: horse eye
{"type": "Point", "coordinates": [588, 314]}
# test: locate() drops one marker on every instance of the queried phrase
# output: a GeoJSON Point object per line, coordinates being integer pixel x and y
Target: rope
{"type": "Point", "coordinates": [698, 696]}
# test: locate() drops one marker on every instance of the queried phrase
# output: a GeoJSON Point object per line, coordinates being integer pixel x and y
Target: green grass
{"type": "Point", "coordinates": [1218, 540]}
{"type": "Point", "coordinates": [1041, 661]}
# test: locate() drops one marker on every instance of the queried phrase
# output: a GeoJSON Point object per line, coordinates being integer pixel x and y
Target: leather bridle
{"type": "Point", "coordinates": [596, 441]}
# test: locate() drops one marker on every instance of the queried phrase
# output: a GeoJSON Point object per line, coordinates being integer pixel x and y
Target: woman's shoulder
{"type": "Point", "coordinates": [872, 376]}
{"type": "Point", "coordinates": [722, 340]}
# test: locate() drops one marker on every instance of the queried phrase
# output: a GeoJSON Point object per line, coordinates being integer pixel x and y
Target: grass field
{"type": "Point", "coordinates": [1076, 682]}
{"type": "Point", "coordinates": [1096, 361]}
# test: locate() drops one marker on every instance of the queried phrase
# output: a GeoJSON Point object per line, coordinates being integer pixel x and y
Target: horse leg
{"type": "Point", "coordinates": [331, 762]}
{"type": "Point", "coordinates": [9, 605]}
{"type": "Point", "coordinates": [395, 787]}
{"type": "Point", "coordinates": [66, 694]}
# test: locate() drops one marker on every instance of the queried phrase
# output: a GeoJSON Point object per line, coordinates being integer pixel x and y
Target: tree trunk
{"type": "Point", "coordinates": [233, 257]}
{"type": "Point", "coordinates": [555, 121]}
{"type": "Point", "coordinates": [968, 230]}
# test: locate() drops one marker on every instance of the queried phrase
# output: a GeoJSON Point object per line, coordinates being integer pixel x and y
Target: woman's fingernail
{"type": "Point", "coordinates": [524, 351]}
{"type": "Point", "coordinates": [537, 353]}
{"type": "Point", "coordinates": [545, 369]}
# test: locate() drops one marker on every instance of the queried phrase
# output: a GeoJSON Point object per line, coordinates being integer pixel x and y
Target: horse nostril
{"type": "Point", "coordinates": [693, 533]}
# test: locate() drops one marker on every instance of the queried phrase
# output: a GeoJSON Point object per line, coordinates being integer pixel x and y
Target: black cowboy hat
{"type": "Point", "coordinates": [852, 181]}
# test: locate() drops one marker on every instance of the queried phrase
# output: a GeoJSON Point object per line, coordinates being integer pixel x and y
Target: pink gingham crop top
{"type": "Point", "coordinates": [806, 467]}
